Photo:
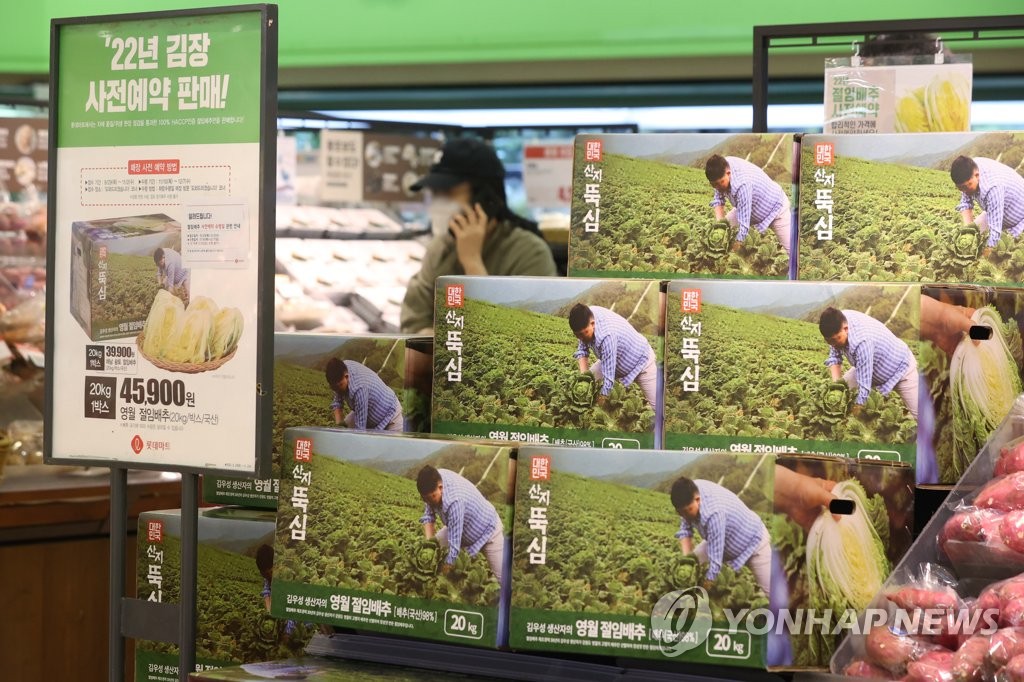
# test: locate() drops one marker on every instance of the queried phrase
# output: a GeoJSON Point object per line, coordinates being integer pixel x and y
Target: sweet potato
{"type": "Point", "coordinates": [934, 666]}
{"type": "Point", "coordinates": [969, 660]}
{"type": "Point", "coordinates": [1013, 671]}
{"type": "Point", "coordinates": [1011, 530]}
{"type": "Point", "coordinates": [1011, 614]}
{"type": "Point", "coordinates": [1004, 645]}
{"type": "Point", "coordinates": [1010, 590]}
{"type": "Point", "coordinates": [1011, 458]}
{"type": "Point", "coordinates": [866, 671]}
{"type": "Point", "coordinates": [1005, 493]}
{"type": "Point", "coordinates": [911, 598]}
{"type": "Point", "coordinates": [889, 650]}
{"type": "Point", "coordinates": [969, 525]}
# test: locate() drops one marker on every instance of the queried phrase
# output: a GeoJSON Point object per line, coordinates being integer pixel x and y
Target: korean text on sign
{"type": "Point", "coordinates": [540, 498]}
{"type": "Point", "coordinates": [454, 325]}
{"type": "Point", "coordinates": [592, 173]}
{"type": "Point", "coordinates": [690, 326]}
{"type": "Point", "coordinates": [302, 477]}
{"type": "Point", "coordinates": [824, 182]}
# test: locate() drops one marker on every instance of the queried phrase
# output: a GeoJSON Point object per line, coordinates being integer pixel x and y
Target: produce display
{"type": "Point", "coordinates": [508, 364]}
{"type": "Point", "coordinates": [954, 607]}
{"type": "Point", "coordinates": [358, 545]}
{"type": "Point", "coordinates": [642, 206]}
{"type": "Point", "coordinates": [886, 208]}
{"type": "Point", "coordinates": [234, 624]}
{"type": "Point", "coordinates": [302, 397]}
{"type": "Point", "coordinates": [597, 546]}
{"type": "Point", "coordinates": [200, 335]}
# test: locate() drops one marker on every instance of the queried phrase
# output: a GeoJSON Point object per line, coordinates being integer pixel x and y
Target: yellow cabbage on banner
{"type": "Point", "coordinates": [163, 323]}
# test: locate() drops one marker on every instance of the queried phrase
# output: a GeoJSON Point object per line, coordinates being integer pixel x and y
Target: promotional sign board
{"type": "Point", "coordinates": [903, 98]}
{"type": "Point", "coordinates": [23, 145]}
{"type": "Point", "coordinates": [357, 166]}
{"type": "Point", "coordinates": [547, 174]}
{"type": "Point", "coordinates": [158, 337]}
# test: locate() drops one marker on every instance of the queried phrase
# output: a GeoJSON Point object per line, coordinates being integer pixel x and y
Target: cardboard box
{"type": "Point", "coordinates": [114, 277]}
{"type": "Point", "coordinates": [302, 397]}
{"type": "Point", "coordinates": [885, 208]}
{"type": "Point", "coordinates": [506, 365]}
{"type": "Point", "coordinates": [599, 566]}
{"type": "Point", "coordinates": [642, 206]}
{"type": "Point", "coordinates": [327, 670]}
{"type": "Point", "coordinates": [352, 549]}
{"type": "Point", "coordinates": [234, 624]}
{"type": "Point", "coordinates": [747, 371]}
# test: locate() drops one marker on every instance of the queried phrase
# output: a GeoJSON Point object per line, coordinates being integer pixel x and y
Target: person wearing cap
{"type": "Point", "coordinates": [475, 232]}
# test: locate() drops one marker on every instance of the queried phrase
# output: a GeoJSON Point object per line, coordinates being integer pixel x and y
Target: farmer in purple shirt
{"type": "Point", "coordinates": [757, 200]}
{"type": "Point", "coordinates": [878, 357]}
{"type": "Point", "coordinates": [998, 189]}
{"type": "Point", "coordinates": [731, 533]}
{"type": "Point", "coordinates": [170, 273]}
{"type": "Point", "coordinates": [373, 405]}
{"type": "Point", "coordinates": [623, 353]}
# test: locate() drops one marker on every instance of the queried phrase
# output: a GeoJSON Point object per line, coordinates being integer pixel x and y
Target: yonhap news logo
{"type": "Point", "coordinates": [681, 621]}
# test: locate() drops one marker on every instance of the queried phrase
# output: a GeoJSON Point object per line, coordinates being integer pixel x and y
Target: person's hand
{"type": "Point", "coordinates": [736, 246]}
{"type": "Point", "coordinates": [857, 410]}
{"type": "Point", "coordinates": [943, 324]}
{"type": "Point", "coordinates": [470, 230]}
{"type": "Point", "coordinates": [602, 400]}
{"type": "Point", "coordinates": [986, 252]}
{"type": "Point", "coordinates": [802, 497]}
{"type": "Point", "coordinates": [446, 569]}
{"type": "Point", "coordinates": [708, 584]}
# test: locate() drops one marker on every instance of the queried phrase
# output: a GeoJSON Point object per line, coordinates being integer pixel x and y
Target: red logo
{"type": "Point", "coordinates": [689, 301]}
{"type": "Point", "coordinates": [824, 154]}
{"type": "Point", "coordinates": [303, 450]}
{"type": "Point", "coordinates": [103, 253]}
{"type": "Point", "coordinates": [593, 150]}
{"type": "Point", "coordinates": [540, 468]}
{"type": "Point", "coordinates": [155, 531]}
{"type": "Point", "coordinates": [453, 296]}
{"type": "Point", "coordinates": [137, 444]}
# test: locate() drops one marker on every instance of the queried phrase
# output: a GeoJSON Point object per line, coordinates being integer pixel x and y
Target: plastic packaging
{"type": "Point", "coordinates": [1005, 493]}
{"type": "Point", "coordinates": [1011, 458]}
{"type": "Point", "coordinates": [934, 666]}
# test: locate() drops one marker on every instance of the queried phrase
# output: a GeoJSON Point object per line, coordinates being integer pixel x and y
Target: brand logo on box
{"type": "Point", "coordinates": [155, 531]}
{"type": "Point", "coordinates": [137, 444]}
{"type": "Point", "coordinates": [824, 154]}
{"type": "Point", "coordinates": [593, 150]}
{"type": "Point", "coordinates": [689, 301]}
{"type": "Point", "coordinates": [453, 295]}
{"type": "Point", "coordinates": [103, 253]}
{"type": "Point", "coordinates": [540, 468]}
{"type": "Point", "coordinates": [303, 450]}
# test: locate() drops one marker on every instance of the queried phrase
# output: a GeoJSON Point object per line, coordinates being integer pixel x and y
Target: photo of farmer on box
{"type": "Point", "coordinates": [373, 406]}
{"type": "Point", "coordinates": [757, 200]}
{"type": "Point", "coordinates": [731, 532]}
{"type": "Point", "coordinates": [878, 358]}
{"type": "Point", "coordinates": [623, 353]}
{"type": "Point", "coordinates": [171, 275]}
{"type": "Point", "coordinates": [997, 189]}
{"type": "Point", "coordinates": [471, 523]}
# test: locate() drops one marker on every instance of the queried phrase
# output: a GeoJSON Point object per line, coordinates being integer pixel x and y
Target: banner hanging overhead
{"type": "Point", "coordinates": [369, 166]}
{"type": "Point", "coordinates": [162, 130]}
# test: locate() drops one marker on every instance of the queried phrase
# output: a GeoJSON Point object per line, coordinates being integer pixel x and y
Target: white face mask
{"type": "Point", "coordinates": [441, 212]}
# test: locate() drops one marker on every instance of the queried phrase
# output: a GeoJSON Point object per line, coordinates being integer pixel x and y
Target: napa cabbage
{"type": "Point", "coordinates": [163, 324]}
{"type": "Point", "coordinates": [227, 330]}
{"type": "Point", "coordinates": [193, 342]}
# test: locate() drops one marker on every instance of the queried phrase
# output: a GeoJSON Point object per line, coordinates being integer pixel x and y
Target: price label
{"type": "Point", "coordinates": [463, 624]}
{"type": "Point", "coordinates": [100, 400]}
{"type": "Point", "coordinates": [163, 392]}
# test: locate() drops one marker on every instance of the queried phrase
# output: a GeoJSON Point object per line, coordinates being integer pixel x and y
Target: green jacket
{"type": "Point", "coordinates": [508, 250]}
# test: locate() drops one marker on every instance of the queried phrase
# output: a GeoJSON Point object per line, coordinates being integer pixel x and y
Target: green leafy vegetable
{"type": "Point", "coordinates": [836, 399]}
{"type": "Point", "coordinates": [427, 558]}
{"type": "Point", "coordinates": [717, 238]}
{"type": "Point", "coordinates": [966, 245]}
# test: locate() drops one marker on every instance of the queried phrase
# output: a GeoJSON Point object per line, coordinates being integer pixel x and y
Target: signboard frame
{"type": "Point", "coordinates": [264, 224]}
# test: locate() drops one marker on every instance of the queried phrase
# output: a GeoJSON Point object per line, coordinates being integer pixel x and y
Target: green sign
{"type": "Point", "coordinates": [177, 80]}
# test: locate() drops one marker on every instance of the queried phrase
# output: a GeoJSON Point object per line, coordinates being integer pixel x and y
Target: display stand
{"type": "Point", "coordinates": [840, 34]}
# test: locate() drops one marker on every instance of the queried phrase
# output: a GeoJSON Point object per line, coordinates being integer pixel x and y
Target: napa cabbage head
{"type": "Point", "coordinates": [984, 382]}
{"type": "Point", "coordinates": [948, 103]}
{"type": "Point", "coordinates": [203, 303]}
{"type": "Point", "coordinates": [911, 113]}
{"type": "Point", "coordinates": [163, 325]}
{"type": "Point", "coordinates": [193, 342]}
{"type": "Point", "coordinates": [846, 562]}
{"type": "Point", "coordinates": [227, 330]}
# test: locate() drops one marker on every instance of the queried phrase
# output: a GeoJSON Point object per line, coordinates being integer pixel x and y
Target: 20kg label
{"type": "Point", "coordinates": [463, 624]}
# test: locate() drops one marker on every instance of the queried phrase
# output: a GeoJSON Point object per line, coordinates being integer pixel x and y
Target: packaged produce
{"type": "Point", "coordinates": [388, 389]}
{"type": "Point", "coordinates": [572, 362]}
{"type": "Point", "coordinates": [359, 545]}
{"type": "Point", "coordinates": [234, 577]}
{"type": "Point", "coordinates": [682, 205]}
{"type": "Point", "coordinates": [607, 542]}
{"type": "Point", "coordinates": [912, 207]}
{"type": "Point", "coordinates": [117, 267]}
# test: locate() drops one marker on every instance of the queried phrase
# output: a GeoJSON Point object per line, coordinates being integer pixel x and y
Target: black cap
{"type": "Point", "coordinates": [462, 159]}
